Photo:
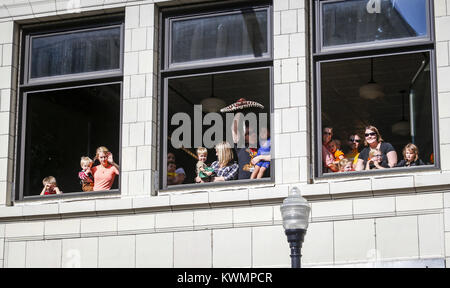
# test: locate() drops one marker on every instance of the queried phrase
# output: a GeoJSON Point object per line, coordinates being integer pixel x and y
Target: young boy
{"type": "Point", "coordinates": [203, 171]}
{"type": "Point", "coordinates": [50, 186]}
{"type": "Point", "coordinates": [85, 175]}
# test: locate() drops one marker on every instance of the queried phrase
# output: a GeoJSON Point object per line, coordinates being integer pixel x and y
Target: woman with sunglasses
{"type": "Point", "coordinates": [354, 146]}
{"type": "Point", "coordinates": [373, 141]}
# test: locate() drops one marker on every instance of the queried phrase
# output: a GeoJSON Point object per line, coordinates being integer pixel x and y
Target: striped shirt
{"type": "Point", "coordinates": [228, 172]}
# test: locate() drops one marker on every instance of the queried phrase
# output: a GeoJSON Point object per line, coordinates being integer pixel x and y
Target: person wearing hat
{"type": "Point", "coordinates": [246, 156]}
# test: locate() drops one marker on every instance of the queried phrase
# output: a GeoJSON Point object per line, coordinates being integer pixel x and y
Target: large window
{"type": "Point", "coordinates": [375, 86]}
{"type": "Point", "coordinates": [70, 102]}
{"type": "Point", "coordinates": [216, 78]}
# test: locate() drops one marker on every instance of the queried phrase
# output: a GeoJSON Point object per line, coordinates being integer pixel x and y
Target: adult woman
{"type": "Point", "coordinates": [224, 169]}
{"type": "Point", "coordinates": [373, 140]}
{"type": "Point", "coordinates": [104, 173]}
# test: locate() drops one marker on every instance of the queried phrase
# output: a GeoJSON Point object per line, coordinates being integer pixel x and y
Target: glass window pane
{"type": "Point", "coordinates": [361, 21]}
{"type": "Point", "coordinates": [215, 92]}
{"type": "Point", "coordinates": [229, 35]}
{"type": "Point", "coordinates": [76, 52]}
{"type": "Point", "coordinates": [396, 98]}
{"type": "Point", "coordinates": [64, 125]}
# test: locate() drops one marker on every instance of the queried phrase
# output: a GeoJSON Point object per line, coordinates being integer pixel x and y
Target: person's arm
{"type": "Point", "coordinates": [43, 191]}
{"type": "Point", "coordinates": [359, 165]}
{"type": "Point", "coordinates": [368, 165]}
{"type": "Point", "coordinates": [392, 158]}
{"type": "Point", "coordinates": [230, 175]}
{"type": "Point", "coordinates": [256, 159]}
{"type": "Point", "coordinates": [57, 190]}
{"type": "Point", "coordinates": [111, 161]}
{"type": "Point", "coordinates": [378, 165]}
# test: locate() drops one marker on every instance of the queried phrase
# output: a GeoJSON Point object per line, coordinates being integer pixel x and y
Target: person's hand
{"type": "Point", "coordinates": [198, 180]}
{"type": "Point", "coordinates": [110, 158]}
{"type": "Point", "coordinates": [256, 160]}
{"type": "Point", "coordinates": [209, 173]}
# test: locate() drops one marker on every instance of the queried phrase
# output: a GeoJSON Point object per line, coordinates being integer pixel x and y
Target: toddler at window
{"type": "Point", "coordinates": [50, 186]}
{"type": "Point", "coordinates": [264, 149]}
{"type": "Point", "coordinates": [85, 175]}
{"type": "Point", "coordinates": [410, 156]}
{"type": "Point", "coordinates": [203, 171]}
{"type": "Point", "coordinates": [335, 148]}
{"type": "Point", "coordinates": [375, 160]}
{"type": "Point", "coordinates": [345, 165]}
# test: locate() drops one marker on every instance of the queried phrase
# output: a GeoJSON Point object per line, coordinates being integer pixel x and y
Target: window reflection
{"type": "Point", "coordinates": [359, 21]}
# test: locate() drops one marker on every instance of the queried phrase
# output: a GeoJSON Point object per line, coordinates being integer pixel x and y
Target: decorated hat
{"type": "Point", "coordinates": [241, 104]}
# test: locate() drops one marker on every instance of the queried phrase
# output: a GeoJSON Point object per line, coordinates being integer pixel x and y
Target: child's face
{"type": "Point", "coordinates": [410, 155]}
{"type": "Point", "coordinates": [202, 157]}
{"type": "Point", "coordinates": [348, 167]}
{"type": "Point", "coordinates": [85, 166]}
{"type": "Point", "coordinates": [332, 146]}
{"type": "Point", "coordinates": [378, 157]}
{"type": "Point", "coordinates": [171, 167]}
{"type": "Point", "coordinates": [50, 185]}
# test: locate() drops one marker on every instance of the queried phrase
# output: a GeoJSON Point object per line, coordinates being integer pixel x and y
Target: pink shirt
{"type": "Point", "coordinates": [104, 177]}
{"type": "Point", "coordinates": [327, 157]}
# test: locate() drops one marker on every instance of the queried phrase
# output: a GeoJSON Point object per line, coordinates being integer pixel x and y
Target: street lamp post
{"type": "Point", "coordinates": [295, 212]}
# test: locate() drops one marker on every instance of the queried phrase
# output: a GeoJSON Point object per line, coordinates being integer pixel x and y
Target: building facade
{"type": "Point", "coordinates": [88, 73]}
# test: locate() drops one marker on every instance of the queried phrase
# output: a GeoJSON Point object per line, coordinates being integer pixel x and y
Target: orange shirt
{"type": "Point", "coordinates": [104, 177]}
{"type": "Point", "coordinates": [338, 154]}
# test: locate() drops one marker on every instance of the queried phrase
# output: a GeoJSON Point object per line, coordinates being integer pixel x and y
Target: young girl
{"type": "Point", "coordinates": [50, 186]}
{"type": "Point", "coordinates": [334, 147]}
{"type": "Point", "coordinates": [411, 156]}
{"type": "Point", "coordinates": [203, 171]}
{"type": "Point", "coordinates": [264, 150]}
{"type": "Point", "coordinates": [85, 175]}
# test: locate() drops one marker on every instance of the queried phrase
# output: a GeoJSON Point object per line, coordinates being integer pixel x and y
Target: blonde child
{"type": "Point", "coordinates": [334, 146]}
{"type": "Point", "coordinates": [203, 171]}
{"type": "Point", "coordinates": [50, 186]}
{"type": "Point", "coordinates": [264, 150]}
{"type": "Point", "coordinates": [85, 175]}
{"type": "Point", "coordinates": [410, 156]}
{"type": "Point", "coordinates": [345, 165]}
{"type": "Point", "coordinates": [375, 160]}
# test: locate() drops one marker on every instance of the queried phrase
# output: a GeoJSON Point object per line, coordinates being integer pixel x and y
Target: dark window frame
{"type": "Point", "coordinates": [357, 51]}
{"type": "Point", "coordinates": [208, 67]}
{"type": "Point", "coordinates": [59, 83]}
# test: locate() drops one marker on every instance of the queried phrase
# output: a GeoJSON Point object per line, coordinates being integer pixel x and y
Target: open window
{"type": "Point", "coordinates": [70, 101]}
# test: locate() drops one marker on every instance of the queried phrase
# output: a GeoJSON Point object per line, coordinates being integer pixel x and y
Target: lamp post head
{"type": "Point", "coordinates": [295, 211]}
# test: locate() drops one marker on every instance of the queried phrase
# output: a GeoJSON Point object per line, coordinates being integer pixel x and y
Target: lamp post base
{"type": "Point", "coordinates": [295, 239]}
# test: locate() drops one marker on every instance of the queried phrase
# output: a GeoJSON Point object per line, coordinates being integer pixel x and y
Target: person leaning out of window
{"type": "Point", "coordinates": [374, 141]}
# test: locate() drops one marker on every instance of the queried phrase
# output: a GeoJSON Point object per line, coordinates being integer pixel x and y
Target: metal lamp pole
{"type": "Point", "coordinates": [295, 212]}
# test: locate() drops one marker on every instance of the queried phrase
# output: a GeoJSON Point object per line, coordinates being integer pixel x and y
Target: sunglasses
{"type": "Point", "coordinates": [354, 140]}
{"type": "Point", "coordinates": [327, 133]}
{"type": "Point", "coordinates": [370, 134]}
